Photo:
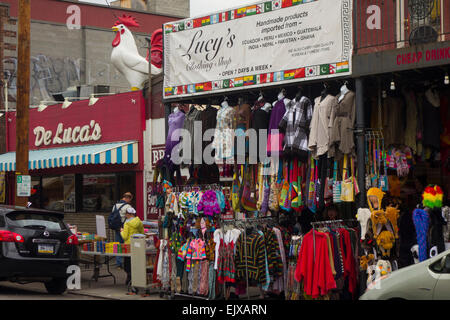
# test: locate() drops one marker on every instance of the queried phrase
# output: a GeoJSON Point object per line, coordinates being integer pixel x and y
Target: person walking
{"type": "Point", "coordinates": [133, 225]}
{"type": "Point", "coordinates": [123, 205]}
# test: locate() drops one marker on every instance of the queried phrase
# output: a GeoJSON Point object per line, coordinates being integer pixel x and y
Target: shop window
{"type": "Point", "coordinates": [99, 192]}
{"type": "Point", "coordinates": [52, 197]}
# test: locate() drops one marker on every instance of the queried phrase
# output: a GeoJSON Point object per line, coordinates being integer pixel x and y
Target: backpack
{"type": "Point", "coordinates": [114, 219]}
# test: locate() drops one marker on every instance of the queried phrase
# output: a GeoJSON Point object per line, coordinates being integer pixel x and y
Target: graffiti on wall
{"type": "Point", "coordinates": [55, 75]}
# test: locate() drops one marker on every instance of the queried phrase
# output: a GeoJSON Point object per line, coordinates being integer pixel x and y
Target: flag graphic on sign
{"type": "Point", "coordinates": [215, 18]}
{"type": "Point", "coordinates": [250, 10]}
{"type": "Point", "coordinates": [299, 73]}
{"type": "Point", "coordinates": [197, 22]}
{"type": "Point", "coordinates": [168, 91]}
{"type": "Point", "coordinates": [249, 80]}
{"type": "Point", "coordinates": [276, 4]}
{"type": "Point", "coordinates": [206, 21]}
{"type": "Point", "coordinates": [231, 83]}
{"type": "Point", "coordinates": [240, 12]}
{"type": "Point", "coordinates": [324, 69]}
{"type": "Point", "coordinates": [191, 88]}
{"type": "Point", "coordinates": [189, 24]}
{"type": "Point", "coordinates": [342, 67]}
{"type": "Point", "coordinates": [311, 71]}
{"type": "Point", "coordinates": [333, 68]}
{"type": "Point", "coordinates": [224, 16]}
{"type": "Point", "coordinates": [207, 86]}
{"type": "Point", "coordinates": [217, 85]}
{"type": "Point", "coordinates": [168, 28]}
{"type": "Point", "coordinates": [181, 26]}
{"type": "Point", "coordinates": [231, 15]}
{"type": "Point", "coordinates": [270, 77]}
{"type": "Point", "coordinates": [226, 83]}
{"type": "Point", "coordinates": [286, 3]}
{"type": "Point", "coordinates": [278, 76]}
{"type": "Point", "coordinates": [239, 82]}
{"type": "Point", "coordinates": [199, 87]}
{"type": "Point", "coordinates": [289, 74]}
{"type": "Point", "coordinates": [268, 6]}
{"type": "Point", "coordinates": [295, 2]}
{"type": "Point", "coordinates": [260, 8]}
{"type": "Point", "coordinates": [261, 78]}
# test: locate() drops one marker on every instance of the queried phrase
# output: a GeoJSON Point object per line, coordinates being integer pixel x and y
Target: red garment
{"type": "Point", "coordinates": [155, 275]}
{"type": "Point", "coordinates": [316, 274]}
{"type": "Point", "coordinates": [349, 261]}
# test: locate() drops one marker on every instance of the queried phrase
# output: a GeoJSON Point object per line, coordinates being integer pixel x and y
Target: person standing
{"type": "Point", "coordinates": [133, 225]}
{"type": "Point", "coordinates": [123, 205]}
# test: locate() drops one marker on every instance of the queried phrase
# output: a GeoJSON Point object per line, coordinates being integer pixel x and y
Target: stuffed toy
{"type": "Point", "coordinates": [365, 260]}
{"type": "Point", "coordinates": [378, 218]}
{"type": "Point", "coordinates": [371, 274]}
{"type": "Point", "coordinates": [392, 214]}
{"type": "Point", "coordinates": [384, 267]}
{"type": "Point", "coordinates": [363, 217]}
{"type": "Point", "coordinates": [374, 198]}
{"type": "Point", "coordinates": [385, 242]}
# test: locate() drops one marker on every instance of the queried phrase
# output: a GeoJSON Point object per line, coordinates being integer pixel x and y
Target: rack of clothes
{"type": "Point", "coordinates": [251, 253]}
{"type": "Point", "coordinates": [327, 266]}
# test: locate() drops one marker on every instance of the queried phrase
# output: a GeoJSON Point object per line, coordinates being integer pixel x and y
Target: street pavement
{"type": "Point", "coordinates": [103, 289]}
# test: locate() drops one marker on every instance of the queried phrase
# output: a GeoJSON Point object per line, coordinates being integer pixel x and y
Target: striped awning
{"type": "Point", "coordinates": [125, 152]}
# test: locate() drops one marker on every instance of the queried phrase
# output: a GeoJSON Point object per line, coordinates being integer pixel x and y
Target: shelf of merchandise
{"type": "Point", "coordinates": [140, 271]}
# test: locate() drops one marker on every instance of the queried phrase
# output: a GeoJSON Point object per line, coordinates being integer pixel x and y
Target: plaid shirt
{"type": "Point", "coordinates": [295, 123]}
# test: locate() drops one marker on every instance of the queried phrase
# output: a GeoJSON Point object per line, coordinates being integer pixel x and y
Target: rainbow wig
{"type": "Point", "coordinates": [432, 197]}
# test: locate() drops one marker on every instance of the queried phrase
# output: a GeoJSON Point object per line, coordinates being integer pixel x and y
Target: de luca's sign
{"type": "Point", "coordinates": [68, 135]}
{"type": "Point", "coordinates": [268, 43]}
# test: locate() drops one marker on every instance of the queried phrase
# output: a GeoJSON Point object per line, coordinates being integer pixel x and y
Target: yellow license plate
{"type": "Point", "coordinates": [45, 248]}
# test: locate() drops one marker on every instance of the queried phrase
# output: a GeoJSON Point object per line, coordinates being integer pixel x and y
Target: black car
{"type": "Point", "coordinates": [36, 246]}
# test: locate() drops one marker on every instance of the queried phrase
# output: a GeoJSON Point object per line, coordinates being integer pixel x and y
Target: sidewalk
{"type": "Point", "coordinates": [105, 287]}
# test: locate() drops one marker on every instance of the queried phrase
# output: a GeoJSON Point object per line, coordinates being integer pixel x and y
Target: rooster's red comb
{"type": "Point", "coordinates": [127, 21]}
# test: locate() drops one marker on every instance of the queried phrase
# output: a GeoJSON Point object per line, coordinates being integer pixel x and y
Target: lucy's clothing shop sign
{"type": "Point", "coordinates": [269, 43]}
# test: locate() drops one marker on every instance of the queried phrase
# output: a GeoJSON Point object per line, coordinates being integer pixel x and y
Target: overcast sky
{"type": "Point", "coordinates": [199, 7]}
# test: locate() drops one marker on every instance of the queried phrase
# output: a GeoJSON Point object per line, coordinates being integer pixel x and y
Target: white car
{"type": "Point", "coordinates": [428, 280]}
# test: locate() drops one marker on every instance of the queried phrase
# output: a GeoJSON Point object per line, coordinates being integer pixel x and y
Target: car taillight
{"type": "Point", "coordinates": [72, 240]}
{"type": "Point", "coordinates": [8, 236]}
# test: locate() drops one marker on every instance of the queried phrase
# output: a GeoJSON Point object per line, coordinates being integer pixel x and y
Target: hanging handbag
{"type": "Point", "coordinates": [260, 186]}
{"type": "Point", "coordinates": [384, 183]}
{"type": "Point", "coordinates": [311, 201]}
{"type": "Point", "coordinates": [336, 185]}
{"type": "Point", "coordinates": [354, 177]}
{"type": "Point", "coordinates": [295, 193]}
{"type": "Point", "coordinates": [328, 191]}
{"type": "Point", "coordinates": [275, 188]}
{"type": "Point", "coordinates": [248, 199]}
{"type": "Point", "coordinates": [235, 190]}
{"type": "Point", "coordinates": [347, 188]}
{"type": "Point", "coordinates": [285, 193]}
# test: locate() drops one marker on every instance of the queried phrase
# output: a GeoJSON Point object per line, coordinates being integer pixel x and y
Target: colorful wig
{"type": "Point", "coordinates": [432, 197]}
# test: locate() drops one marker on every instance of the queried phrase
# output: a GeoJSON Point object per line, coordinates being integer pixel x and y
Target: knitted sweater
{"type": "Point", "coordinates": [273, 254]}
{"type": "Point", "coordinates": [251, 251]}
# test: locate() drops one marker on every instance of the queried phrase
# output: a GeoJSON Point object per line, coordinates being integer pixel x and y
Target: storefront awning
{"type": "Point", "coordinates": [125, 152]}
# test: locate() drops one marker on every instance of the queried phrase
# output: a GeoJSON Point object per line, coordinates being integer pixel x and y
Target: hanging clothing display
{"type": "Point", "coordinates": [393, 113]}
{"type": "Point", "coordinates": [275, 138]}
{"type": "Point", "coordinates": [319, 137]}
{"type": "Point", "coordinates": [192, 116]}
{"type": "Point", "coordinates": [295, 125]}
{"type": "Point", "coordinates": [342, 122]}
{"type": "Point", "coordinates": [224, 133]}
{"type": "Point", "coordinates": [176, 121]}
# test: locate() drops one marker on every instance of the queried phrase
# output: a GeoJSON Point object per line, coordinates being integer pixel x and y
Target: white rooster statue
{"type": "Point", "coordinates": [126, 58]}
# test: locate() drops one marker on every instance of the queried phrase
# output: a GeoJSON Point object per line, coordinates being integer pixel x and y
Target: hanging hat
{"type": "Point", "coordinates": [432, 197]}
{"type": "Point", "coordinates": [166, 184]}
